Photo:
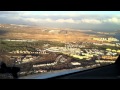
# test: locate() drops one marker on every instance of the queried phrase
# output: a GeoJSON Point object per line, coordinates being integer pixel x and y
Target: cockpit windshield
{"type": "Point", "coordinates": [45, 42]}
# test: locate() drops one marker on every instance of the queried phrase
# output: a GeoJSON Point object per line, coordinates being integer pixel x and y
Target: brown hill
{"type": "Point", "coordinates": [12, 31]}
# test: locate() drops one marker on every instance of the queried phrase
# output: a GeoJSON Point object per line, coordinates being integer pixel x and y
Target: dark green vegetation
{"type": "Point", "coordinates": [8, 46]}
{"type": "Point", "coordinates": [104, 47]}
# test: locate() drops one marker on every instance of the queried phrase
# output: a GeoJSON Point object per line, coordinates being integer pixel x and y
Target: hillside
{"type": "Point", "coordinates": [13, 31]}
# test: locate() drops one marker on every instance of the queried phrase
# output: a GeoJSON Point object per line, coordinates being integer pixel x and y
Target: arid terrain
{"type": "Point", "coordinates": [12, 31]}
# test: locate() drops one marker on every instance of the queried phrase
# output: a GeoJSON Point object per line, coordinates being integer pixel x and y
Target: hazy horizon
{"type": "Point", "coordinates": [86, 20]}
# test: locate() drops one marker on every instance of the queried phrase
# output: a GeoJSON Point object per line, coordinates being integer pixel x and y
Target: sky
{"type": "Point", "coordinates": [85, 20]}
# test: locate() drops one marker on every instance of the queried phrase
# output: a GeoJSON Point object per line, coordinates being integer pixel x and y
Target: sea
{"type": "Point", "coordinates": [117, 35]}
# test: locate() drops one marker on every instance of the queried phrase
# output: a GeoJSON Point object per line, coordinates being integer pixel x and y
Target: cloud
{"type": "Point", "coordinates": [66, 20]}
{"type": "Point", "coordinates": [113, 20]}
{"type": "Point", "coordinates": [31, 20]}
{"type": "Point", "coordinates": [68, 17]}
{"type": "Point", "coordinates": [8, 12]}
{"type": "Point", "coordinates": [91, 21]}
{"type": "Point", "coordinates": [38, 20]}
{"type": "Point", "coordinates": [71, 19]}
{"type": "Point", "coordinates": [48, 20]}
